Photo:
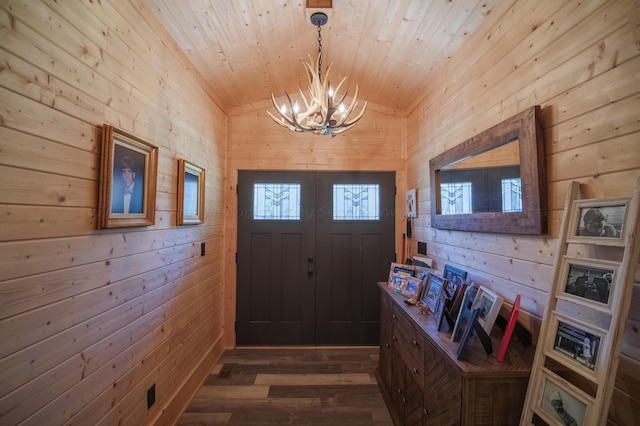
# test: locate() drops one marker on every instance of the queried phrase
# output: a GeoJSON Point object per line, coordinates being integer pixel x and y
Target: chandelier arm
{"type": "Point", "coordinates": [358, 117]}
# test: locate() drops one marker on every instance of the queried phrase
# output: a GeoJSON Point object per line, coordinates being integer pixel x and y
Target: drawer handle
{"type": "Point", "coordinates": [394, 338]}
{"type": "Point", "coordinates": [386, 345]}
{"type": "Point", "coordinates": [414, 342]}
{"type": "Point", "coordinates": [426, 412]}
{"type": "Point", "coordinates": [415, 370]}
{"type": "Point", "coordinates": [394, 317]}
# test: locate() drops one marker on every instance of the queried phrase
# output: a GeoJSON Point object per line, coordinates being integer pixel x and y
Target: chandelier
{"type": "Point", "coordinates": [323, 115]}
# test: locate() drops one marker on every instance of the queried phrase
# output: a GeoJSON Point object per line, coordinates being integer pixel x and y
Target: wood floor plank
{"type": "Point", "coordinates": [313, 379]}
{"type": "Point", "coordinates": [291, 386]}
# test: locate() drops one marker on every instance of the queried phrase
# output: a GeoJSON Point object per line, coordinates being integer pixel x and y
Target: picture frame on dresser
{"type": "Point", "coordinates": [191, 182]}
{"type": "Point", "coordinates": [455, 277]}
{"type": "Point", "coordinates": [601, 222]}
{"type": "Point", "coordinates": [435, 285]}
{"type": "Point", "coordinates": [401, 268]}
{"type": "Point", "coordinates": [465, 313]}
{"type": "Point", "coordinates": [128, 174]}
{"type": "Point", "coordinates": [412, 288]}
{"type": "Point", "coordinates": [489, 304]}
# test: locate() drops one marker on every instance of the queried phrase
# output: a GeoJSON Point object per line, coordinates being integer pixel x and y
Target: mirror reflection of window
{"type": "Point", "coordinates": [511, 195]}
{"type": "Point", "coordinates": [456, 197]}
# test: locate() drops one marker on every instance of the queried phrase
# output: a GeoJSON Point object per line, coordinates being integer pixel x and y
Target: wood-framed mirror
{"type": "Point", "coordinates": [493, 182]}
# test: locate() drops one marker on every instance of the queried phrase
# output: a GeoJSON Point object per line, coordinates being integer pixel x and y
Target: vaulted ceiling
{"type": "Point", "coordinates": [247, 49]}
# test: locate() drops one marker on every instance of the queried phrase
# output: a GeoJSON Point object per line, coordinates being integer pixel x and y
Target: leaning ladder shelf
{"type": "Point", "coordinates": [574, 368]}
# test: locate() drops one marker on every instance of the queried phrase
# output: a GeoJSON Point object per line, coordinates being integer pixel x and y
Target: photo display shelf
{"type": "Point", "coordinates": [578, 350]}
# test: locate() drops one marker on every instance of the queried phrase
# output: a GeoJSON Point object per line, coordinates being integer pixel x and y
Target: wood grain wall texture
{"type": "Point", "coordinates": [580, 61]}
{"type": "Point", "coordinates": [90, 319]}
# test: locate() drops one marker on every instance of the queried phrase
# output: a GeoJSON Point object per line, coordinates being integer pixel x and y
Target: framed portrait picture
{"type": "Point", "coordinates": [560, 403]}
{"type": "Point", "coordinates": [398, 282]}
{"type": "Point", "coordinates": [455, 277]}
{"type": "Point", "coordinates": [598, 221]}
{"type": "Point", "coordinates": [587, 281]}
{"type": "Point", "coordinates": [128, 173]}
{"type": "Point", "coordinates": [191, 179]}
{"type": "Point", "coordinates": [488, 303]}
{"type": "Point", "coordinates": [435, 285]}
{"type": "Point", "coordinates": [576, 342]}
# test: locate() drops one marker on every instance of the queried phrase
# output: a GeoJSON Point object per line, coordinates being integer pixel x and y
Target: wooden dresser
{"type": "Point", "coordinates": [424, 384]}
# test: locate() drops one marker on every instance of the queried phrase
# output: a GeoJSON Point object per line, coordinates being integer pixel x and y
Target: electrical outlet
{"type": "Point", "coordinates": [201, 249]}
{"type": "Point", "coordinates": [151, 396]}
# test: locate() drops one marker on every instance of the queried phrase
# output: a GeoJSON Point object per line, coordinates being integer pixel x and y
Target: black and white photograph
{"type": "Point", "coordinates": [589, 280]}
{"type": "Point", "coordinates": [577, 344]}
{"type": "Point", "coordinates": [561, 405]}
{"type": "Point", "coordinates": [599, 222]}
{"type": "Point", "coordinates": [489, 303]}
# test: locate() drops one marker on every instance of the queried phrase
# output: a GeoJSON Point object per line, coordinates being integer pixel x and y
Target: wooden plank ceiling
{"type": "Point", "coordinates": [247, 49]}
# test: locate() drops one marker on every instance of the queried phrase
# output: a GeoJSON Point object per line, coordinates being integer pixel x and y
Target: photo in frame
{"type": "Point", "coordinates": [468, 331]}
{"type": "Point", "coordinates": [455, 277]}
{"type": "Point", "coordinates": [588, 281]}
{"type": "Point", "coordinates": [191, 181]}
{"type": "Point", "coordinates": [402, 269]}
{"type": "Point", "coordinates": [576, 342]}
{"type": "Point", "coordinates": [398, 282]}
{"type": "Point", "coordinates": [412, 288]}
{"type": "Point", "coordinates": [422, 273]}
{"type": "Point", "coordinates": [489, 304]}
{"type": "Point", "coordinates": [559, 403]}
{"type": "Point", "coordinates": [128, 174]}
{"type": "Point", "coordinates": [465, 313]}
{"type": "Point", "coordinates": [598, 221]}
{"type": "Point", "coordinates": [435, 285]}
{"type": "Point", "coordinates": [439, 309]}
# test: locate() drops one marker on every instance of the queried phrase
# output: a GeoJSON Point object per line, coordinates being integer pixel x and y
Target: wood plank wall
{"type": "Point", "coordinates": [580, 61]}
{"type": "Point", "coordinates": [90, 319]}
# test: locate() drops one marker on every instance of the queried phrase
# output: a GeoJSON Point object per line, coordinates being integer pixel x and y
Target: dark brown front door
{"type": "Point", "coordinates": [311, 248]}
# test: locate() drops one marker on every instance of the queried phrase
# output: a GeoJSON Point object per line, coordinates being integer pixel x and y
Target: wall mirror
{"type": "Point", "coordinates": [493, 182]}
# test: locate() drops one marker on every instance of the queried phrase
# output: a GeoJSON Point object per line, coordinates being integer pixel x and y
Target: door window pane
{"type": "Point", "coordinates": [356, 202]}
{"type": "Point", "coordinates": [276, 201]}
{"type": "Point", "coordinates": [456, 197]}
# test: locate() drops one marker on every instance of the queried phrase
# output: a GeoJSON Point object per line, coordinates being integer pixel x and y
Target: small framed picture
{"type": "Point", "coordinates": [412, 288]}
{"type": "Point", "coordinates": [398, 282]}
{"type": "Point", "coordinates": [422, 273]}
{"type": "Point", "coordinates": [598, 221]}
{"type": "Point", "coordinates": [560, 403]}
{"type": "Point", "coordinates": [576, 342]}
{"type": "Point", "coordinates": [402, 269]}
{"type": "Point", "coordinates": [412, 203]}
{"type": "Point", "coordinates": [587, 281]}
{"type": "Point", "coordinates": [465, 312]}
{"type": "Point", "coordinates": [489, 304]}
{"type": "Point", "coordinates": [435, 285]}
{"type": "Point", "coordinates": [191, 179]}
{"type": "Point", "coordinates": [455, 277]}
{"type": "Point", "coordinates": [128, 170]}
{"type": "Point", "coordinates": [439, 310]}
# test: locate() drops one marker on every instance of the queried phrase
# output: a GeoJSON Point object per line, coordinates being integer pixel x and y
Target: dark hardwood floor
{"type": "Point", "coordinates": [291, 386]}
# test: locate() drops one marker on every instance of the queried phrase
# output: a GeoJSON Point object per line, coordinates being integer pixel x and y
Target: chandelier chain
{"type": "Point", "coordinates": [319, 50]}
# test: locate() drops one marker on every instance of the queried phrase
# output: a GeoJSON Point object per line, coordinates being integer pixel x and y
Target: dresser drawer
{"type": "Point", "coordinates": [409, 341]}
